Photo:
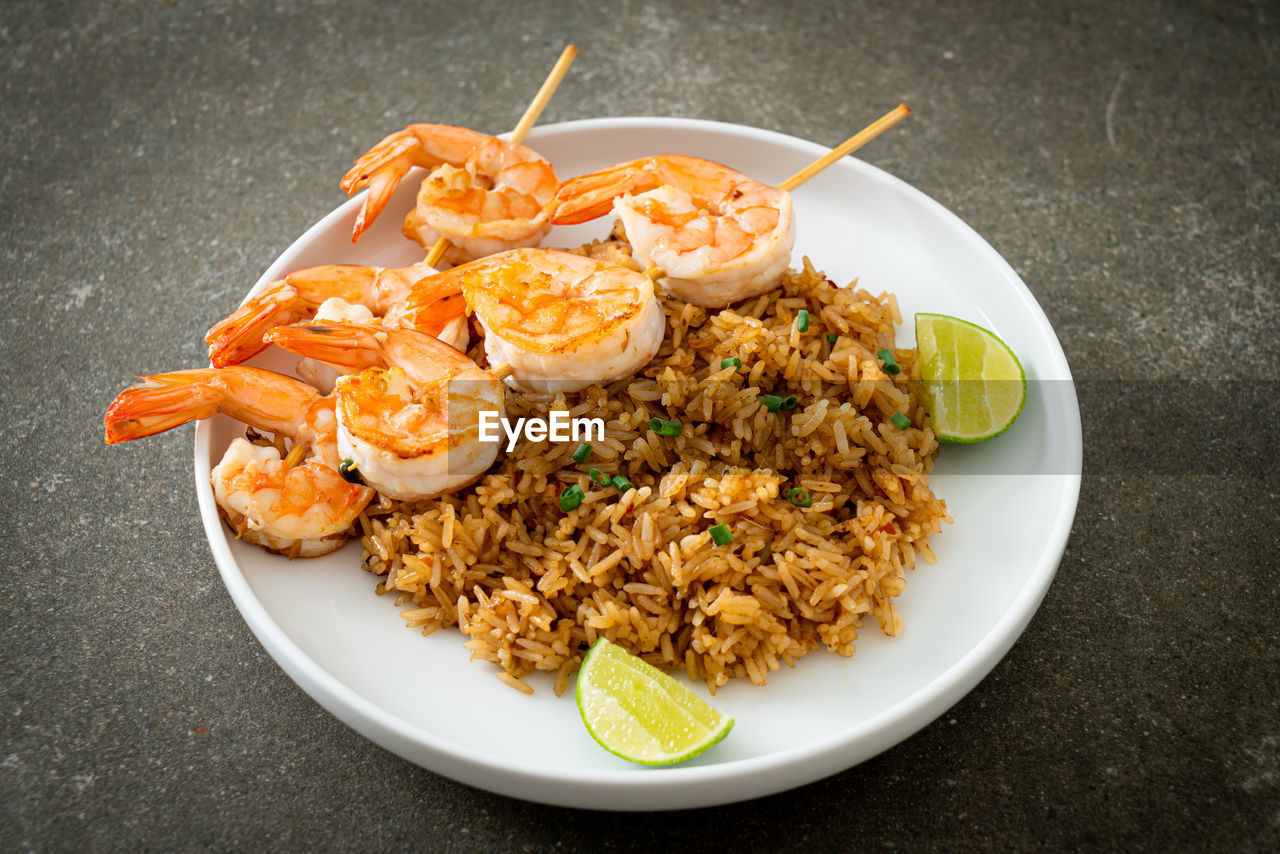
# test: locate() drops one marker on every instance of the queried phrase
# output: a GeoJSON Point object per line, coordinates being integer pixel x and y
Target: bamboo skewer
{"type": "Point", "coordinates": [524, 125]}
{"type": "Point", "coordinates": [851, 144]}
{"type": "Point", "coordinates": [540, 100]}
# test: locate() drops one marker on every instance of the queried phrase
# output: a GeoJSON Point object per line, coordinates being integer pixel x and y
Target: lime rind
{"type": "Point", "coordinates": [971, 375]}
{"type": "Point", "coordinates": [635, 711]}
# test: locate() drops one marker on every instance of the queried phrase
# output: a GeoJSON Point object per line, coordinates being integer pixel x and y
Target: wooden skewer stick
{"type": "Point", "coordinates": [851, 144]}
{"type": "Point", "coordinates": [540, 100]}
{"type": "Point", "coordinates": [524, 125]}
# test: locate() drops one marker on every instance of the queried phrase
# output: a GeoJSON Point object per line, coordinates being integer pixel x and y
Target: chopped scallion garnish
{"type": "Point", "coordinates": [734, 363]}
{"type": "Point", "coordinates": [571, 498]}
{"type": "Point", "coordinates": [832, 338]}
{"type": "Point", "coordinates": [799, 497]}
{"type": "Point", "coordinates": [890, 364]}
{"type": "Point", "coordinates": [774, 403]}
{"type": "Point", "coordinates": [900, 421]}
{"type": "Point", "coordinates": [598, 477]}
{"type": "Point", "coordinates": [802, 320]}
{"type": "Point", "coordinates": [347, 468]}
{"type": "Point", "coordinates": [720, 534]}
{"type": "Point", "coordinates": [582, 453]}
{"type": "Point", "coordinates": [621, 484]}
{"type": "Point", "coordinates": [665, 428]}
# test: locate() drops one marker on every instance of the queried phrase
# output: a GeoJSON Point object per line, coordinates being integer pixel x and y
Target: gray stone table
{"type": "Point", "coordinates": [1123, 157]}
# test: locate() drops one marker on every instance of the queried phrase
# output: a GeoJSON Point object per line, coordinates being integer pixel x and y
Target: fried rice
{"type": "Point", "coordinates": [532, 586]}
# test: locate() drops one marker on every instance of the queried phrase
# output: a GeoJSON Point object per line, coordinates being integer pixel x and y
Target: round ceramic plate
{"type": "Point", "coordinates": [1013, 500]}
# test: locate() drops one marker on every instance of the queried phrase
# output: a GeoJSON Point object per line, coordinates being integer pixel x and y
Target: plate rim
{"type": "Point", "coordinates": [676, 786]}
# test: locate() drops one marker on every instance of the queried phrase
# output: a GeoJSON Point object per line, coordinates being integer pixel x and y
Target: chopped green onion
{"type": "Point", "coordinates": [734, 363]}
{"type": "Point", "coordinates": [890, 364]}
{"type": "Point", "coordinates": [800, 497]}
{"type": "Point", "coordinates": [598, 477]}
{"type": "Point", "coordinates": [720, 534]}
{"type": "Point", "coordinates": [832, 338]}
{"type": "Point", "coordinates": [621, 484]}
{"type": "Point", "coordinates": [773, 403]}
{"type": "Point", "coordinates": [584, 451]}
{"type": "Point", "coordinates": [665, 428]}
{"type": "Point", "coordinates": [900, 421]}
{"type": "Point", "coordinates": [571, 498]}
{"type": "Point", "coordinates": [802, 320]}
{"type": "Point", "coordinates": [347, 468]}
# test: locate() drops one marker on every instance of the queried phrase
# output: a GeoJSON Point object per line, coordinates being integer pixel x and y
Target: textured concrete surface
{"type": "Point", "coordinates": [1124, 158]}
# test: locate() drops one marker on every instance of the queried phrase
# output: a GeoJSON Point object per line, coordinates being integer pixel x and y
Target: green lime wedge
{"type": "Point", "coordinates": [976, 384]}
{"type": "Point", "coordinates": [635, 710]}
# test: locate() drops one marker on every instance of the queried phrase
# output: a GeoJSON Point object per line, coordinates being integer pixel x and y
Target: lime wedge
{"type": "Point", "coordinates": [635, 710]}
{"type": "Point", "coordinates": [976, 384]}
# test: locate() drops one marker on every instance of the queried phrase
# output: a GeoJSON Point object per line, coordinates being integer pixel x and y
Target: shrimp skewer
{"type": "Point", "coordinates": [333, 293]}
{"type": "Point", "coordinates": [523, 126]}
{"type": "Point", "coordinates": [303, 294]}
{"type": "Point", "coordinates": [716, 235]}
{"type": "Point", "coordinates": [483, 194]}
{"type": "Point", "coordinates": [554, 320]}
{"type": "Point", "coordinates": [304, 509]}
{"type": "Point", "coordinates": [410, 419]}
{"type": "Point", "coordinates": [384, 169]}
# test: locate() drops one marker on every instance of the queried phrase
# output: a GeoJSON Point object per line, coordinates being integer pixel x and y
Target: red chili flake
{"type": "Point", "coordinates": [832, 284]}
{"type": "Point", "coordinates": [888, 528]}
{"type": "Point", "coordinates": [628, 511]}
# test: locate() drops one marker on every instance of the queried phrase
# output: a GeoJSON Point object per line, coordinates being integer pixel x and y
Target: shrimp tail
{"type": "Point", "coordinates": [363, 346]}
{"type": "Point", "coordinates": [161, 402]}
{"type": "Point", "coordinates": [349, 345]}
{"type": "Point", "coordinates": [264, 399]}
{"type": "Point", "coordinates": [434, 301]}
{"type": "Point", "coordinates": [242, 335]}
{"type": "Point", "coordinates": [382, 167]}
{"type": "Point", "coordinates": [591, 196]}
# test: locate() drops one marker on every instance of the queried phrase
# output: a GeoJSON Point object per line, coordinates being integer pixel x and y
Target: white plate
{"type": "Point", "coordinates": [424, 700]}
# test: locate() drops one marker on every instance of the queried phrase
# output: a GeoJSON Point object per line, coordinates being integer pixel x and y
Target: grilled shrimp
{"type": "Point", "coordinates": [383, 291]}
{"type": "Point", "coordinates": [299, 505]}
{"type": "Point", "coordinates": [483, 194]}
{"type": "Point", "coordinates": [561, 320]}
{"type": "Point", "coordinates": [716, 235]}
{"type": "Point", "coordinates": [410, 419]}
